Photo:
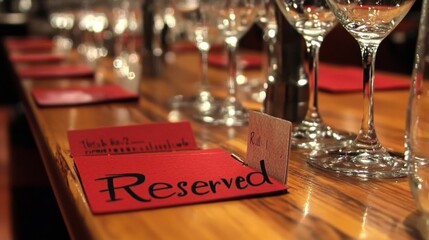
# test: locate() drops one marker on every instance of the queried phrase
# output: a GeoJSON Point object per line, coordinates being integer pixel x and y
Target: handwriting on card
{"type": "Point", "coordinates": [256, 140]}
{"type": "Point", "coordinates": [161, 137]}
{"type": "Point", "coordinates": [125, 145]}
{"type": "Point", "coordinates": [269, 140]}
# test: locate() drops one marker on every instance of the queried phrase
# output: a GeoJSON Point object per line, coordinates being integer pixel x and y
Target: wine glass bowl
{"type": "Point", "coordinates": [93, 24]}
{"type": "Point", "coordinates": [62, 17]}
{"type": "Point", "coordinates": [369, 22]}
{"type": "Point", "coordinates": [126, 27]}
{"type": "Point", "coordinates": [63, 22]}
{"type": "Point", "coordinates": [313, 19]}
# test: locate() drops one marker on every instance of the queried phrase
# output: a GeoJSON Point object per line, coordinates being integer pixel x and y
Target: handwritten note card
{"type": "Point", "coordinates": [269, 140]}
{"type": "Point", "coordinates": [120, 183]}
{"type": "Point", "coordinates": [160, 137]}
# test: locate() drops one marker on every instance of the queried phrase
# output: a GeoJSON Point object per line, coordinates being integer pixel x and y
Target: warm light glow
{"type": "Point", "coordinates": [363, 234]}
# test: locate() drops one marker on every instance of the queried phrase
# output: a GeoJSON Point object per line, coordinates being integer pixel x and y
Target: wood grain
{"type": "Point", "coordinates": [319, 204]}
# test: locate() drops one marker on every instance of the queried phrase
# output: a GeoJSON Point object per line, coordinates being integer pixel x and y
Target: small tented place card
{"type": "Point", "coordinates": [269, 140]}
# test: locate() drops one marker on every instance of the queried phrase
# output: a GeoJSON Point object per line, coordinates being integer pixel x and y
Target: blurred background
{"type": "Point", "coordinates": [396, 53]}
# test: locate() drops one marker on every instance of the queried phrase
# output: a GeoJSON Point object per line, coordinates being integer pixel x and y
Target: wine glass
{"type": "Point", "coordinates": [267, 22]}
{"type": "Point", "coordinates": [369, 22]}
{"type": "Point", "coordinates": [126, 28]}
{"type": "Point", "coordinates": [94, 25]}
{"type": "Point", "coordinates": [202, 30]}
{"type": "Point", "coordinates": [62, 19]}
{"type": "Point", "coordinates": [313, 19]}
{"type": "Point", "coordinates": [234, 18]}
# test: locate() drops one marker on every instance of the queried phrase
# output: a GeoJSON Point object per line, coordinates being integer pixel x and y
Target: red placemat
{"type": "Point", "coordinates": [187, 46]}
{"type": "Point", "coordinates": [28, 43]}
{"type": "Point", "coordinates": [339, 79]}
{"type": "Point", "coordinates": [246, 60]}
{"type": "Point", "coordinates": [183, 46]}
{"type": "Point", "coordinates": [81, 95]}
{"type": "Point", "coordinates": [55, 71]}
{"type": "Point", "coordinates": [36, 57]}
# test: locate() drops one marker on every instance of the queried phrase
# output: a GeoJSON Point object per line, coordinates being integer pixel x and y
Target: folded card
{"type": "Point", "coordinates": [115, 183]}
{"type": "Point", "coordinates": [81, 95]}
{"type": "Point", "coordinates": [119, 170]}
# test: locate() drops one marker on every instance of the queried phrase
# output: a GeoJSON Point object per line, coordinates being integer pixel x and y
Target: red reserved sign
{"type": "Point", "coordinates": [119, 183]}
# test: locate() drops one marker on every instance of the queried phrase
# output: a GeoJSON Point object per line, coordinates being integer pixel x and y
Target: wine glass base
{"type": "Point", "coordinates": [308, 135]}
{"type": "Point", "coordinates": [181, 101]}
{"type": "Point", "coordinates": [231, 121]}
{"type": "Point", "coordinates": [204, 107]}
{"type": "Point", "coordinates": [205, 111]}
{"type": "Point", "coordinates": [360, 163]}
{"type": "Point", "coordinates": [253, 90]}
{"type": "Point", "coordinates": [232, 114]}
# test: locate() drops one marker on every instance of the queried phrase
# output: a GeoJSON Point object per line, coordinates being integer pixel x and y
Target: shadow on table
{"type": "Point", "coordinates": [35, 213]}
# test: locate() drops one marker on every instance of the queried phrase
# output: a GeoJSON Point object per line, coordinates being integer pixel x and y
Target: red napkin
{"type": "Point", "coordinates": [246, 60]}
{"type": "Point", "coordinates": [55, 71]}
{"type": "Point", "coordinates": [36, 57]}
{"type": "Point", "coordinates": [183, 46]}
{"type": "Point", "coordinates": [350, 79]}
{"type": "Point", "coordinates": [127, 40]}
{"type": "Point", "coordinates": [81, 95]}
{"type": "Point", "coordinates": [29, 43]}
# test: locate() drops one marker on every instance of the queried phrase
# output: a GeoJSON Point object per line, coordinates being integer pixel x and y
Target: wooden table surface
{"type": "Point", "coordinates": [319, 205]}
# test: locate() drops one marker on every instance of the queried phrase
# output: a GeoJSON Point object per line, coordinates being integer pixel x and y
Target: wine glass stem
{"type": "Point", "coordinates": [313, 73]}
{"type": "Point", "coordinates": [367, 136]}
{"type": "Point", "coordinates": [270, 49]}
{"type": "Point", "coordinates": [204, 53]}
{"type": "Point", "coordinates": [232, 63]}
